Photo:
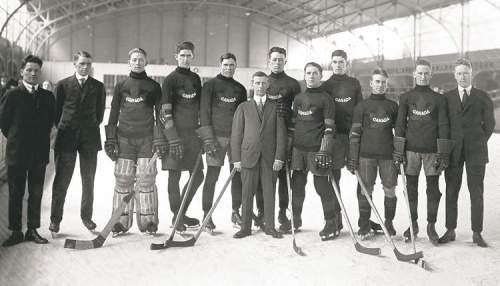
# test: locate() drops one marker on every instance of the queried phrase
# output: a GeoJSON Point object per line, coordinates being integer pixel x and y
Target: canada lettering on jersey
{"type": "Point", "coordinates": [188, 95]}
{"type": "Point", "coordinates": [342, 99]}
{"type": "Point", "coordinates": [228, 99]}
{"type": "Point", "coordinates": [275, 97]}
{"type": "Point", "coordinates": [381, 120]}
{"type": "Point", "coordinates": [134, 100]}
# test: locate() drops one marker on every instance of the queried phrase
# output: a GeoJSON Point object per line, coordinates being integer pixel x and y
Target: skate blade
{"type": "Point", "coordinates": [326, 238]}
{"type": "Point", "coordinates": [366, 236]}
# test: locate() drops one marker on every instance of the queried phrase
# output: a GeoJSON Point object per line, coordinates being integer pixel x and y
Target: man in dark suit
{"type": "Point", "coordinates": [80, 104]}
{"type": "Point", "coordinates": [27, 119]}
{"type": "Point", "coordinates": [258, 145]}
{"type": "Point", "coordinates": [471, 123]}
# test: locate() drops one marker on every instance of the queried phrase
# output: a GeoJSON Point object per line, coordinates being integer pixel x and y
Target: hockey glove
{"type": "Point", "coordinates": [444, 147]}
{"type": "Point", "coordinates": [399, 154]}
{"type": "Point", "coordinates": [160, 144]}
{"type": "Point", "coordinates": [207, 136]}
{"type": "Point", "coordinates": [323, 158]}
{"type": "Point", "coordinates": [111, 144]}
{"type": "Point", "coordinates": [354, 141]}
{"type": "Point", "coordinates": [175, 149]}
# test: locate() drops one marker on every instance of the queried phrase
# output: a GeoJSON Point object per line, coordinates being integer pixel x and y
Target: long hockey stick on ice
{"type": "Point", "coordinates": [400, 256]}
{"type": "Point", "coordinates": [101, 237]}
{"type": "Point", "coordinates": [180, 213]}
{"type": "Point", "coordinates": [421, 262]}
{"type": "Point", "coordinates": [357, 245]}
{"type": "Point", "coordinates": [194, 239]}
{"type": "Point", "coordinates": [297, 249]}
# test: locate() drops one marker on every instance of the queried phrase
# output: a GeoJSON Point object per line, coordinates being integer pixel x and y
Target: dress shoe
{"type": "Point", "coordinates": [432, 234]}
{"type": "Point", "coordinates": [242, 233]}
{"type": "Point", "coordinates": [15, 238]}
{"type": "Point", "coordinates": [32, 235]}
{"type": "Point", "coordinates": [89, 224]}
{"type": "Point", "coordinates": [54, 227]}
{"type": "Point", "coordinates": [478, 239]}
{"type": "Point", "coordinates": [448, 236]}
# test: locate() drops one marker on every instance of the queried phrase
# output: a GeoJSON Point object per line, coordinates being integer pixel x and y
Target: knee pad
{"type": "Point", "coordinates": [389, 192]}
{"type": "Point", "coordinates": [124, 175]}
{"type": "Point", "coordinates": [146, 196]}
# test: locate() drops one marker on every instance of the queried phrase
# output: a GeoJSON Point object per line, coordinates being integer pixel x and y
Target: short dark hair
{"type": "Point", "coordinates": [137, 50]}
{"type": "Point", "coordinates": [339, 53]}
{"type": "Point", "coordinates": [259, 74]}
{"type": "Point", "coordinates": [31, 59]}
{"type": "Point", "coordinates": [313, 64]}
{"type": "Point", "coordinates": [380, 71]}
{"type": "Point", "coordinates": [422, 62]}
{"type": "Point", "coordinates": [463, 62]}
{"type": "Point", "coordinates": [276, 50]}
{"type": "Point", "coordinates": [81, 53]}
{"type": "Point", "coordinates": [226, 56]}
{"type": "Point", "coordinates": [185, 46]}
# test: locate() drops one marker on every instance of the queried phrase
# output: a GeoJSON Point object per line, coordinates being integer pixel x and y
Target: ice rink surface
{"type": "Point", "coordinates": [258, 259]}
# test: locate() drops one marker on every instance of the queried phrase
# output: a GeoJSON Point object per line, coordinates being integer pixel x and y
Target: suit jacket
{"type": "Point", "coordinates": [253, 136]}
{"type": "Point", "coordinates": [471, 126]}
{"type": "Point", "coordinates": [27, 120]}
{"type": "Point", "coordinates": [79, 112]}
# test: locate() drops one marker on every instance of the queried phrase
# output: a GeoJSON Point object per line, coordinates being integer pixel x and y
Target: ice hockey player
{"type": "Point", "coordinates": [346, 93]}
{"type": "Point", "coordinates": [370, 148]}
{"type": "Point", "coordinates": [180, 105]}
{"type": "Point", "coordinates": [314, 130]}
{"type": "Point", "coordinates": [131, 136]}
{"type": "Point", "coordinates": [422, 138]}
{"type": "Point", "coordinates": [220, 97]}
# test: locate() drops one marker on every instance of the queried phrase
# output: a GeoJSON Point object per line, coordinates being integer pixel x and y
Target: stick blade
{"type": "Point", "coordinates": [79, 244]}
{"type": "Point", "coordinates": [367, 250]}
{"type": "Point", "coordinates": [408, 257]}
{"type": "Point", "coordinates": [158, 246]}
{"type": "Point", "coordinates": [186, 243]}
{"type": "Point", "coordinates": [297, 249]}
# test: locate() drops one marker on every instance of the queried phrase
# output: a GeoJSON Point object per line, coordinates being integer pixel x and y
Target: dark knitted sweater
{"type": "Point", "coordinates": [346, 92]}
{"type": "Point", "coordinates": [422, 119]}
{"type": "Point", "coordinates": [220, 97]}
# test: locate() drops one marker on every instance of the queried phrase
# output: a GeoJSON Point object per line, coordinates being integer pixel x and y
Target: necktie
{"type": "Point", "coordinates": [82, 82]}
{"type": "Point", "coordinates": [464, 96]}
{"type": "Point", "coordinates": [260, 105]}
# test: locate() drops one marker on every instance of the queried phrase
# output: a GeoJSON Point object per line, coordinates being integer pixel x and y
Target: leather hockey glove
{"type": "Point", "coordinates": [444, 147]}
{"type": "Point", "coordinates": [160, 144]}
{"type": "Point", "coordinates": [207, 136]}
{"type": "Point", "coordinates": [323, 158]}
{"type": "Point", "coordinates": [399, 153]}
{"type": "Point", "coordinates": [111, 144]}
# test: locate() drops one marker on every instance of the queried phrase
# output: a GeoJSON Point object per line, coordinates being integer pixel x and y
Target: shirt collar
{"type": "Point", "coordinates": [261, 98]}
{"type": "Point", "coordinates": [461, 89]}
{"type": "Point", "coordinates": [79, 77]}
{"type": "Point", "coordinates": [30, 87]}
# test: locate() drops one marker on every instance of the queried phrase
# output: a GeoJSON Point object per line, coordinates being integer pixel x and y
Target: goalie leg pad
{"type": "Point", "coordinates": [124, 175]}
{"type": "Point", "coordinates": [146, 196]}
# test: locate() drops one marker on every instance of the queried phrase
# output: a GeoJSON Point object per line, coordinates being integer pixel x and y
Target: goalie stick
{"type": "Point", "coordinates": [180, 213]}
{"type": "Point", "coordinates": [400, 256]}
{"type": "Point", "coordinates": [297, 249]}
{"type": "Point", "coordinates": [101, 237]}
{"type": "Point", "coordinates": [359, 247]}
{"type": "Point", "coordinates": [190, 242]}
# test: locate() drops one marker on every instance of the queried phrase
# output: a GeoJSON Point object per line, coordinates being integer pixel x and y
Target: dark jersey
{"type": "Point", "coordinates": [220, 97]}
{"type": "Point", "coordinates": [134, 102]}
{"type": "Point", "coordinates": [313, 112]}
{"type": "Point", "coordinates": [283, 88]}
{"type": "Point", "coordinates": [422, 118]}
{"type": "Point", "coordinates": [346, 93]}
{"type": "Point", "coordinates": [182, 91]}
{"type": "Point", "coordinates": [376, 117]}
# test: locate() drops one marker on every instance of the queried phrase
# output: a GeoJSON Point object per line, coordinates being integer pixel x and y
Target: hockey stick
{"type": "Point", "coordinates": [400, 256]}
{"type": "Point", "coordinates": [180, 214]}
{"type": "Point", "coordinates": [99, 240]}
{"type": "Point", "coordinates": [357, 245]}
{"type": "Point", "coordinates": [297, 249]}
{"type": "Point", "coordinates": [421, 262]}
{"type": "Point", "coordinates": [194, 239]}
